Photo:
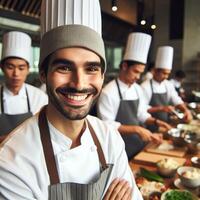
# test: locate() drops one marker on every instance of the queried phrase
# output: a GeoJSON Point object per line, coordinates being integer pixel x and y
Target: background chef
{"type": "Point", "coordinates": [67, 158]}
{"type": "Point", "coordinates": [159, 93]}
{"type": "Point", "coordinates": [121, 100]}
{"type": "Point", "coordinates": [18, 99]}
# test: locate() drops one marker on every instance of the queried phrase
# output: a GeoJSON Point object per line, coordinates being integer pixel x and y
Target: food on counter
{"type": "Point", "coordinates": [165, 147]}
{"type": "Point", "coordinates": [167, 167]}
{"type": "Point", "coordinates": [150, 190]}
{"type": "Point", "coordinates": [152, 176]}
{"type": "Point", "coordinates": [178, 195]}
{"type": "Point", "coordinates": [189, 176]}
{"type": "Point", "coordinates": [192, 174]}
{"type": "Point", "coordinates": [168, 163]}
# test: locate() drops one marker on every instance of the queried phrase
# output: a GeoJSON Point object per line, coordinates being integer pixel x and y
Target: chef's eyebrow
{"type": "Point", "coordinates": [69, 62]}
{"type": "Point", "coordinates": [62, 61]}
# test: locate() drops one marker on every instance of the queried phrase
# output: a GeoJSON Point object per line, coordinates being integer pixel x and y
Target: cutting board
{"type": "Point", "coordinates": [151, 158]}
{"type": "Point", "coordinates": [175, 152]}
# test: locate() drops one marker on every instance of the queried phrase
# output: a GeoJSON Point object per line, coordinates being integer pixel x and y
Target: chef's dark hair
{"type": "Point", "coordinates": [180, 74]}
{"type": "Point", "coordinates": [11, 57]}
{"type": "Point", "coordinates": [130, 63]}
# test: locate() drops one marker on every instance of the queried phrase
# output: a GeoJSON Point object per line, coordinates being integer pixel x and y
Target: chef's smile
{"type": "Point", "coordinates": [76, 99]}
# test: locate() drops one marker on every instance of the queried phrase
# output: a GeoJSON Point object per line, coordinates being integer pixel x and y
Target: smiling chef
{"type": "Point", "coordinates": [62, 152]}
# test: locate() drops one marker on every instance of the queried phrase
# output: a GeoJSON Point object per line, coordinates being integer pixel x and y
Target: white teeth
{"type": "Point", "coordinates": [77, 98]}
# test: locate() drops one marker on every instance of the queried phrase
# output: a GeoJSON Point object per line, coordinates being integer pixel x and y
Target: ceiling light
{"type": "Point", "coordinates": [143, 22]}
{"type": "Point", "coordinates": [114, 5]}
{"type": "Point", "coordinates": [153, 26]}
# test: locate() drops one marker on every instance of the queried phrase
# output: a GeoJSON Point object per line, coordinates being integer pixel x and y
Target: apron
{"type": "Point", "coordinates": [127, 114]}
{"type": "Point", "coordinates": [158, 99]}
{"type": "Point", "coordinates": [72, 191]}
{"type": "Point", "coordinates": [10, 122]}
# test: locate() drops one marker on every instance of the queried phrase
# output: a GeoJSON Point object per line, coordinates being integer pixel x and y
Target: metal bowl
{"type": "Point", "coordinates": [195, 162]}
{"type": "Point", "coordinates": [192, 142]}
{"type": "Point", "coordinates": [167, 167]}
{"type": "Point", "coordinates": [186, 181]}
{"type": "Point", "coordinates": [177, 137]}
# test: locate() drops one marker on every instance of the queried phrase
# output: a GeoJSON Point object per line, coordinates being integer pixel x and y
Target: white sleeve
{"type": "Point", "coordinates": [147, 92]}
{"type": "Point", "coordinates": [12, 186]}
{"type": "Point", "coordinates": [106, 110]}
{"type": "Point", "coordinates": [121, 168]}
{"type": "Point", "coordinates": [142, 114]}
{"type": "Point", "coordinates": [174, 98]}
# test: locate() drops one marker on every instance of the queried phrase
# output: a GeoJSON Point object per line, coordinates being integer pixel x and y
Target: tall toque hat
{"type": "Point", "coordinates": [164, 57]}
{"type": "Point", "coordinates": [16, 44]}
{"type": "Point", "coordinates": [137, 47]}
{"type": "Point", "coordinates": [71, 23]}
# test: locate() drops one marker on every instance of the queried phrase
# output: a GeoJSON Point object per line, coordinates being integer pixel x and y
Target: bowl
{"type": "Point", "coordinates": [167, 167]}
{"type": "Point", "coordinates": [177, 137]}
{"type": "Point", "coordinates": [195, 162]}
{"type": "Point", "coordinates": [193, 145]}
{"type": "Point", "coordinates": [189, 176]}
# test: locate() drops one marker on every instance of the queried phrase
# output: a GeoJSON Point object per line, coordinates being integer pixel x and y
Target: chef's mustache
{"type": "Point", "coordinates": [74, 90]}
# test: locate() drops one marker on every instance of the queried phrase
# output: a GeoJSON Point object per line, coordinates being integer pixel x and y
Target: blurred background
{"type": "Point", "coordinates": [170, 22]}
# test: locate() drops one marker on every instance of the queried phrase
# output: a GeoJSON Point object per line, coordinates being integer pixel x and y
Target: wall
{"type": "Point", "coordinates": [191, 44]}
{"type": "Point", "coordinates": [127, 10]}
{"type": "Point", "coordinates": [161, 33]}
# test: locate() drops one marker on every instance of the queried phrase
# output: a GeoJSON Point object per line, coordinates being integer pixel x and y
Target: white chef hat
{"type": "Point", "coordinates": [56, 13]}
{"type": "Point", "coordinates": [137, 47]}
{"type": "Point", "coordinates": [71, 23]}
{"type": "Point", "coordinates": [16, 44]}
{"type": "Point", "coordinates": [164, 57]}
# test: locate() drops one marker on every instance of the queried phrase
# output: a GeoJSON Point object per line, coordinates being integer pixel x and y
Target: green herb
{"type": "Point", "coordinates": [152, 176]}
{"type": "Point", "coordinates": [178, 195]}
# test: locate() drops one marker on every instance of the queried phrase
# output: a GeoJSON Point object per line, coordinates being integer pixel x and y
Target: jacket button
{"type": "Point", "coordinates": [63, 158]}
{"type": "Point", "coordinates": [93, 148]}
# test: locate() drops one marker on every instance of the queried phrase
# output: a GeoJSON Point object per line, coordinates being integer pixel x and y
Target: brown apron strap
{"type": "Point", "coordinates": [99, 149]}
{"type": "Point", "coordinates": [47, 147]}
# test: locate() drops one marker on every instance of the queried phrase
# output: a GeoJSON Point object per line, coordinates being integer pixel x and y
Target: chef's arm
{"type": "Point", "coordinates": [144, 133]}
{"type": "Point", "coordinates": [187, 114]}
{"type": "Point", "coordinates": [155, 109]}
{"type": "Point", "coordinates": [158, 122]}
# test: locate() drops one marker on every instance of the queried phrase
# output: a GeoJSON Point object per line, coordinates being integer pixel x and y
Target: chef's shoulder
{"type": "Point", "coordinates": [32, 90]}
{"type": "Point", "coordinates": [37, 97]}
{"type": "Point", "coordinates": [109, 87]}
{"type": "Point", "coordinates": [22, 140]}
{"type": "Point", "coordinates": [145, 84]}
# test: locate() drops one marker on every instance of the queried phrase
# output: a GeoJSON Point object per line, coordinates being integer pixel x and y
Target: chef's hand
{"type": "Point", "coordinates": [163, 124]}
{"type": "Point", "coordinates": [187, 116]}
{"type": "Point", "coordinates": [119, 189]}
{"type": "Point", "coordinates": [157, 138]}
{"type": "Point", "coordinates": [148, 136]}
{"type": "Point", "coordinates": [168, 109]}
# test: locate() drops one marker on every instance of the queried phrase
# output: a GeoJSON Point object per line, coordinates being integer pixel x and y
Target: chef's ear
{"type": "Point", "coordinates": [124, 66]}
{"type": "Point", "coordinates": [43, 76]}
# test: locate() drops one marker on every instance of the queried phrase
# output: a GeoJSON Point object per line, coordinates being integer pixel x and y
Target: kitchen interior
{"type": "Point", "coordinates": [175, 164]}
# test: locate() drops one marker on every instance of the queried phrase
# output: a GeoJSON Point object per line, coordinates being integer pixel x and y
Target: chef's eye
{"type": "Point", "coordinates": [64, 68]}
{"type": "Point", "coordinates": [93, 68]}
{"type": "Point", "coordinates": [21, 68]}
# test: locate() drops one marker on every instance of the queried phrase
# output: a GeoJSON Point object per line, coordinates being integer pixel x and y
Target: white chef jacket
{"type": "Point", "coordinates": [175, 83]}
{"type": "Point", "coordinates": [163, 87]}
{"type": "Point", "coordinates": [109, 101]}
{"type": "Point", "coordinates": [17, 104]}
{"type": "Point", "coordinates": [23, 171]}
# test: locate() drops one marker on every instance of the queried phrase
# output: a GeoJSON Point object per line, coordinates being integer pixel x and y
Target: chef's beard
{"type": "Point", "coordinates": [60, 106]}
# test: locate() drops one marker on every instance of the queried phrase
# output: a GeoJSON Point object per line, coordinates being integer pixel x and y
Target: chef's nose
{"type": "Point", "coordinates": [78, 80]}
